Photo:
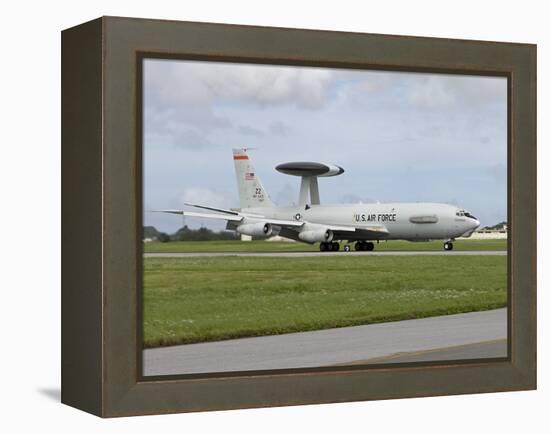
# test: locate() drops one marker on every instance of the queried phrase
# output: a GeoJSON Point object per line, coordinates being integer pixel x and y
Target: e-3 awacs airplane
{"type": "Point", "coordinates": [311, 222]}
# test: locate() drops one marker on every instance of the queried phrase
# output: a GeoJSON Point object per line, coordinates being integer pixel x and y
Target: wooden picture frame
{"type": "Point", "coordinates": [101, 216]}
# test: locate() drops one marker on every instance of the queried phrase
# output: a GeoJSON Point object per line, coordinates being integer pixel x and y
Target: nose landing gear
{"type": "Point", "coordinates": [448, 246]}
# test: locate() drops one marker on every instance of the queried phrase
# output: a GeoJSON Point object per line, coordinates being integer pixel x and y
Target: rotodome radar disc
{"type": "Point", "coordinates": [308, 168]}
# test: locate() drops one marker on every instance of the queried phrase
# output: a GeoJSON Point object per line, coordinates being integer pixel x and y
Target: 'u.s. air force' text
{"type": "Point", "coordinates": [366, 218]}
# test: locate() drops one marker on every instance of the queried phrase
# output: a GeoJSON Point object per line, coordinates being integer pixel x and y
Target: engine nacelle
{"type": "Point", "coordinates": [316, 235]}
{"type": "Point", "coordinates": [260, 229]}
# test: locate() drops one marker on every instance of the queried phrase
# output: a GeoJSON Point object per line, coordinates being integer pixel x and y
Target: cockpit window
{"type": "Point", "coordinates": [464, 213]}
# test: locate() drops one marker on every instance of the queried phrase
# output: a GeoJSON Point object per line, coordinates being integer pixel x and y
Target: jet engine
{"type": "Point", "coordinates": [260, 229]}
{"type": "Point", "coordinates": [316, 235]}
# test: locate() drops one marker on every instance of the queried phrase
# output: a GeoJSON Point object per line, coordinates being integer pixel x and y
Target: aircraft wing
{"type": "Point", "coordinates": [233, 217]}
{"type": "Point", "coordinates": [355, 233]}
{"type": "Point", "coordinates": [379, 230]}
{"type": "Point", "coordinates": [290, 227]}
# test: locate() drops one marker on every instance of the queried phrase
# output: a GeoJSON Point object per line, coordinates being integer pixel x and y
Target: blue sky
{"type": "Point", "coordinates": [400, 136]}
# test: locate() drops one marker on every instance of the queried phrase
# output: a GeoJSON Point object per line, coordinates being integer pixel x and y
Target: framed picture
{"type": "Point", "coordinates": [259, 217]}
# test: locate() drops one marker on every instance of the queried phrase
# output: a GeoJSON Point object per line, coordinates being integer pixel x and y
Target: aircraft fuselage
{"type": "Point", "coordinates": [408, 221]}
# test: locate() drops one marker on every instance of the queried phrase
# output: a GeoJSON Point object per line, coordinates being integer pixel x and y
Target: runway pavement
{"type": "Point", "coordinates": [480, 350]}
{"type": "Point", "coordinates": [308, 254]}
{"type": "Point", "coordinates": [463, 336]}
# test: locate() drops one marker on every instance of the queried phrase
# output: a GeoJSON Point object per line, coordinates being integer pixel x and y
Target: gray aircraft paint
{"type": "Point", "coordinates": [321, 222]}
{"type": "Point", "coordinates": [447, 225]}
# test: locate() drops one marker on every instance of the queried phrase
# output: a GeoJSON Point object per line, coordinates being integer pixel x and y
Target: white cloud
{"type": "Point", "coordinates": [286, 196]}
{"type": "Point", "coordinates": [187, 102]}
{"type": "Point", "coordinates": [375, 81]}
{"type": "Point", "coordinates": [355, 198]}
{"type": "Point", "coordinates": [280, 128]}
{"type": "Point", "coordinates": [432, 92]}
{"type": "Point", "coordinates": [170, 118]}
{"type": "Point", "coordinates": [206, 196]}
{"type": "Point", "coordinates": [192, 82]}
{"type": "Point", "coordinates": [443, 91]}
{"type": "Point", "coordinates": [498, 173]}
{"type": "Point", "coordinates": [245, 130]}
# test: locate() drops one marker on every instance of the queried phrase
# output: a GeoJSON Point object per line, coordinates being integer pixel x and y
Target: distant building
{"type": "Point", "coordinates": [498, 231]}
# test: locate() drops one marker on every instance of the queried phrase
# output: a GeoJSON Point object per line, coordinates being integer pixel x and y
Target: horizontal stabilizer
{"type": "Point", "coordinates": [226, 211]}
{"type": "Point", "coordinates": [233, 218]}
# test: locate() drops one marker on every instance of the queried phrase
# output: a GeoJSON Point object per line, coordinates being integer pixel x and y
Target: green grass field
{"type": "Point", "coordinates": [269, 246]}
{"type": "Point", "coordinates": [213, 298]}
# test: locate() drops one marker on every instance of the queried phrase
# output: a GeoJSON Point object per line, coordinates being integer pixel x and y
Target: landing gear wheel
{"type": "Point", "coordinates": [323, 247]}
{"type": "Point", "coordinates": [347, 248]}
{"type": "Point", "coordinates": [335, 246]}
{"type": "Point", "coordinates": [364, 245]}
{"type": "Point", "coordinates": [448, 246]}
{"type": "Point", "coordinates": [330, 247]}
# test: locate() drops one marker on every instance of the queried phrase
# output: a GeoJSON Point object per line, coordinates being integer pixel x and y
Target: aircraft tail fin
{"type": "Point", "coordinates": [252, 193]}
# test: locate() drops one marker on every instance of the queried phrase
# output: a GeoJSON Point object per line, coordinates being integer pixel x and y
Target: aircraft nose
{"type": "Point", "coordinates": [475, 223]}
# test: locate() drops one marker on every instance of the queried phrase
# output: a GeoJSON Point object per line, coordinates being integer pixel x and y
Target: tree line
{"type": "Point", "coordinates": [187, 234]}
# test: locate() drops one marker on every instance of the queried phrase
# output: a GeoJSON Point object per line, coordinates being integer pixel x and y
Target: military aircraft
{"type": "Point", "coordinates": [311, 222]}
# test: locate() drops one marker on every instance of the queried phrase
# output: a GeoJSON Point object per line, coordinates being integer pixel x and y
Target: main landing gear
{"type": "Point", "coordinates": [361, 246]}
{"type": "Point", "coordinates": [448, 245]}
{"type": "Point", "coordinates": [334, 246]}
{"type": "Point", "coordinates": [329, 247]}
